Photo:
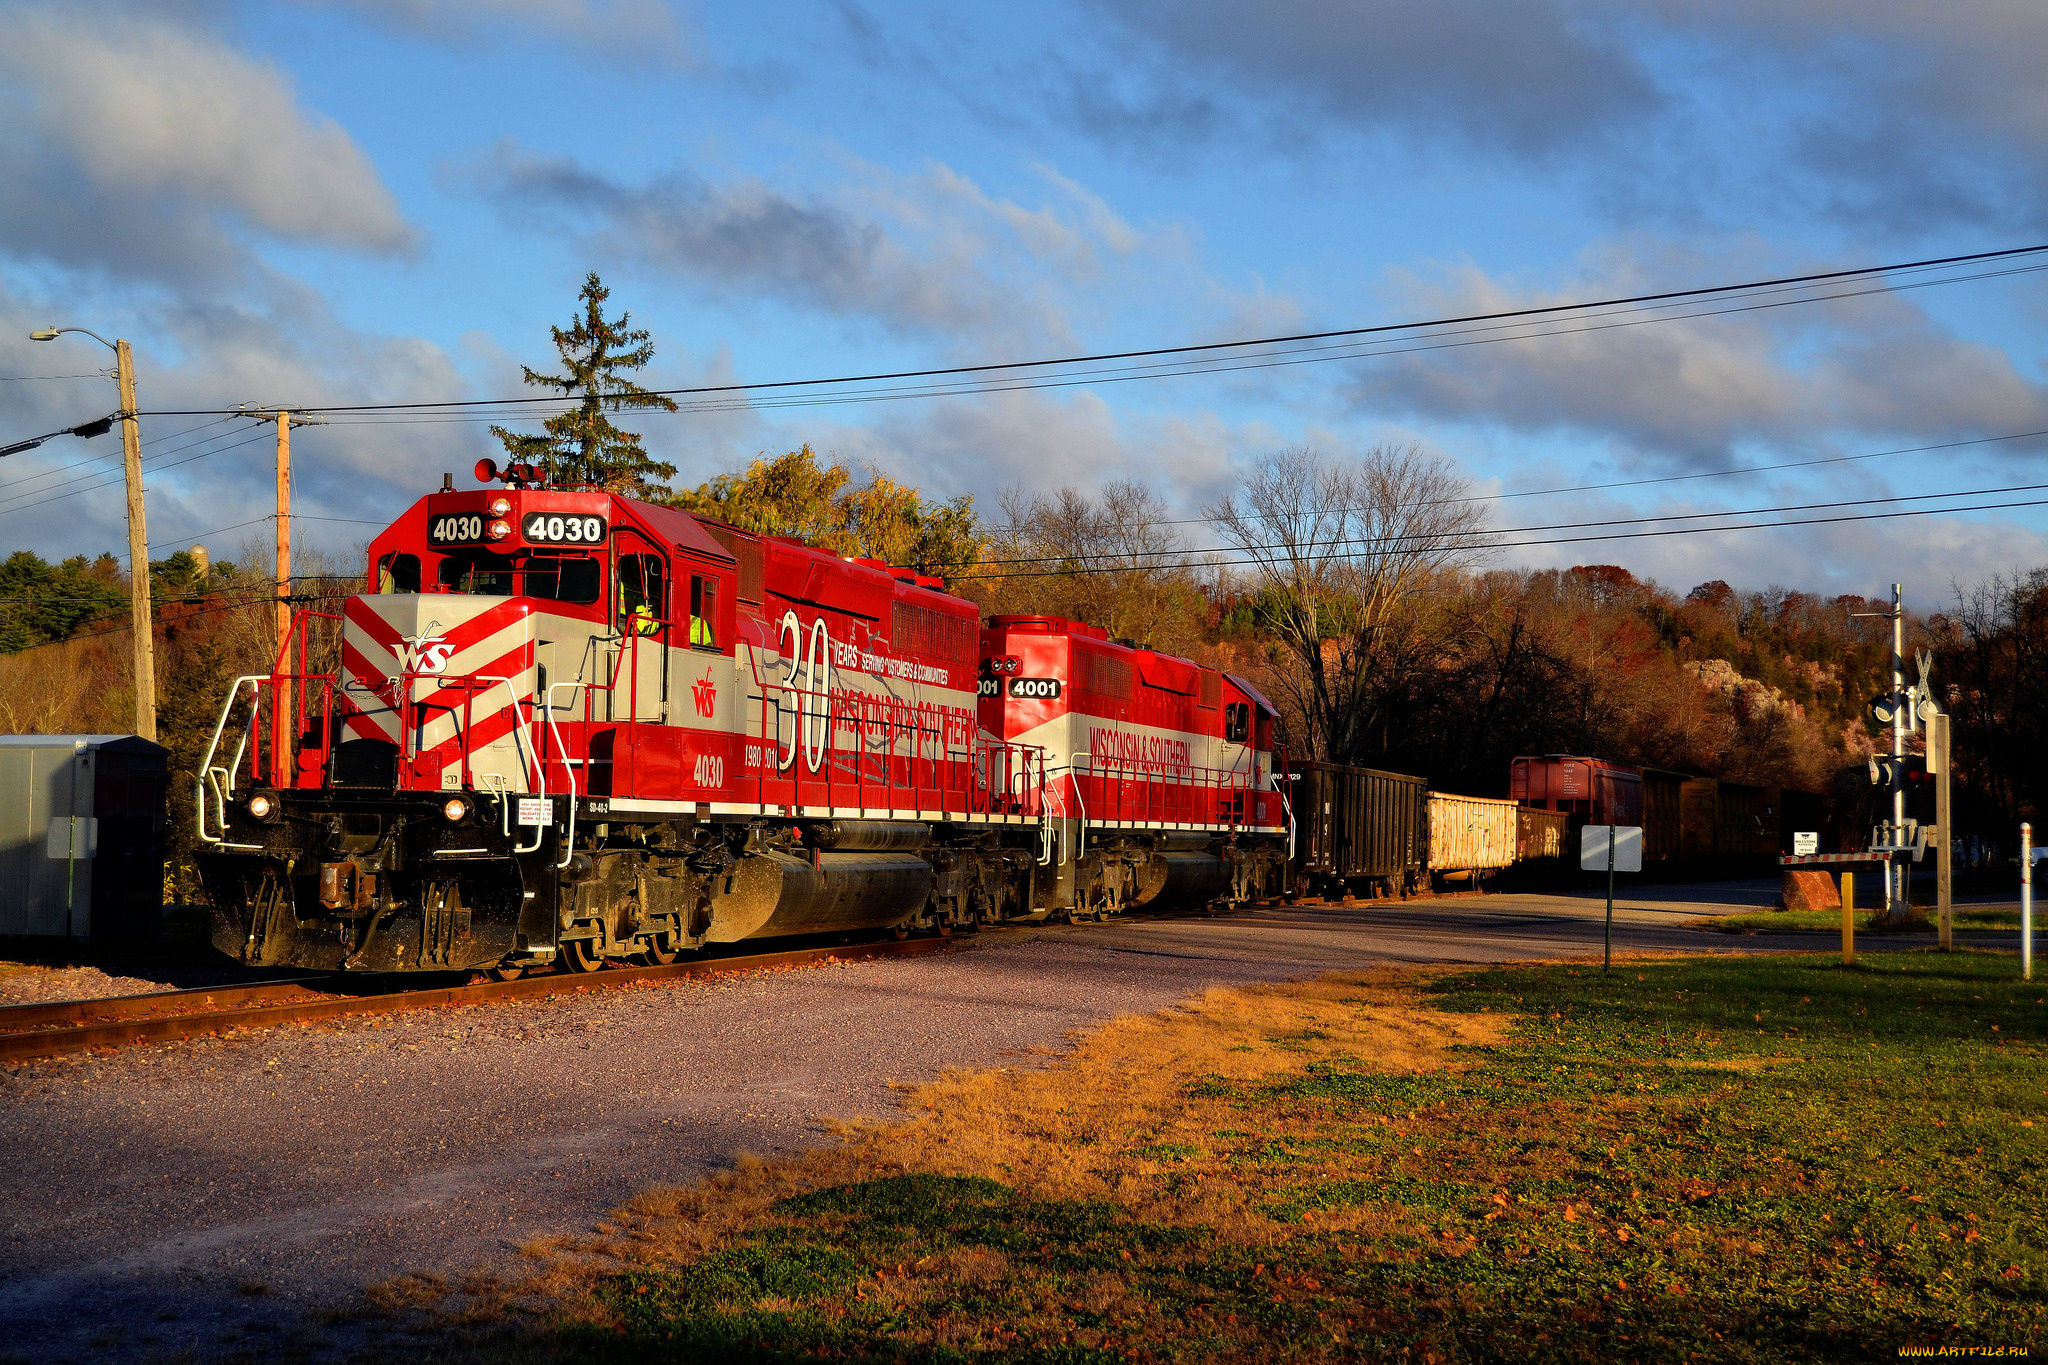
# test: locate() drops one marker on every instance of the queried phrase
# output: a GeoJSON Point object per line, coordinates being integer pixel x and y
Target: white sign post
{"type": "Point", "coordinates": [1614, 848]}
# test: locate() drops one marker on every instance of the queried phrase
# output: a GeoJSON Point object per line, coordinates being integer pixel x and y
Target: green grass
{"type": "Point", "coordinates": [1967, 919]}
{"type": "Point", "coordinates": [1748, 1159]}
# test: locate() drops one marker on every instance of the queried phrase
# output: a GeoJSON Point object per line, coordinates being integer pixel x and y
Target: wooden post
{"type": "Point", "coordinates": [284, 529]}
{"type": "Point", "coordinates": [1944, 853]}
{"type": "Point", "coordinates": [282, 720]}
{"type": "Point", "coordinates": [141, 616]}
{"type": "Point", "coordinates": [1848, 919]}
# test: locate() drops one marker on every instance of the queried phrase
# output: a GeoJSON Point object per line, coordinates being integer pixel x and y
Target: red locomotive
{"type": "Point", "coordinates": [570, 727]}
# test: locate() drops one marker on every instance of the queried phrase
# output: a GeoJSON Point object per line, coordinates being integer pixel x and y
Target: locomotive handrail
{"type": "Point", "coordinates": [532, 754]}
{"type": "Point", "coordinates": [1081, 800]}
{"type": "Point", "coordinates": [207, 770]}
{"type": "Point", "coordinates": [569, 837]}
{"type": "Point", "coordinates": [955, 777]}
{"type": "Point", "coordinates": [1287, 806]}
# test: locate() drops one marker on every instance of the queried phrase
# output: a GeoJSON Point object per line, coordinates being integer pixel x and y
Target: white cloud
{"type": "Point", "coordinates": [288, 349]}
{"type": "Point", "coordinates": [619, 30]}
{"type": "Point", "coordinates": [923, 252]}
{"type": "Point", "coordinates": [137, 146]}
{"type": "Point", "coordinates": [1695, 389]}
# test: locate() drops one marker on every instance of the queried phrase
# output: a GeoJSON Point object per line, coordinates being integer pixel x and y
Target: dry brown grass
{"type": "Point", "coordinates": [1324, 1172]}
{"type": "Point", "coordinates": [1121, 1118]}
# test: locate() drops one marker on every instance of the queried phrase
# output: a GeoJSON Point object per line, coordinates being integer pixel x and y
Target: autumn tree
{"type": "Point", "coordinates": [827, 505]}
{"type": "Point", "coordinates": [581, 446]}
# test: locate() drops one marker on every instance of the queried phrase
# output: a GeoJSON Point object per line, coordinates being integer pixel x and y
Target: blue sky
{"type": "Point", "coordinates": [390, 200]}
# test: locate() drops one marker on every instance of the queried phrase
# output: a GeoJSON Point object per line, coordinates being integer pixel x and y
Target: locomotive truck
{"type": "Point", "coordinates": [574, 728]}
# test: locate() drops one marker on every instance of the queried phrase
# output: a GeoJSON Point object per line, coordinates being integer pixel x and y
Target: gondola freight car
{"type": "Point", "coordinates": [1662, 823]}
{"type": "Point", "coordinates": [1359, 830]}
{"type": "Point", "coordinates": [1470, 837]}
{"type": "Point", "coordinates": [1543, 835]}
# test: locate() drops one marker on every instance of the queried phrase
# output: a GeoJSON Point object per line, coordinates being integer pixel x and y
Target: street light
{"type": "Point", "coordinates": [138, 535]}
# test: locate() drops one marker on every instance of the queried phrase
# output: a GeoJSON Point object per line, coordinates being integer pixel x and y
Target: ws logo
{"type": "Point", "coordinates": [426, 652]}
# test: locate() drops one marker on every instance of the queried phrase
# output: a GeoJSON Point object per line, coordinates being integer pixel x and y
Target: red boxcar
{"type": "Point", "coordinates": [1592, 789]}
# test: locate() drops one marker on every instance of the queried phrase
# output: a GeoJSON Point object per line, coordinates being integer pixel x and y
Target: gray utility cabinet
{"type": "Point", "coordinates": [82, 837]}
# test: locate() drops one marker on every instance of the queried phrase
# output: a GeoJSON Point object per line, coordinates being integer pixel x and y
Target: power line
{"type": "Point", "coordinates": [1209, 351]}
{"type": "Point", "coordinates": [262, 601]}
{"type": "Point", "coordinates": [1532, 544]}
{"type": "Point", "coordinates": [265, 600]}
{"type": "Point", "coordinates": [1478, 535]}
{"type": "Point", "coordinates": [731, 399]}
{"type": "Point", "coordinates": [93, 460]}
{"type": "Point", "coordinates": [19, 506]}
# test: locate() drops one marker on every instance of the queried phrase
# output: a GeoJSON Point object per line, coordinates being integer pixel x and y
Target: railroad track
{"type": "Point", "coordinates": [28, 1032]}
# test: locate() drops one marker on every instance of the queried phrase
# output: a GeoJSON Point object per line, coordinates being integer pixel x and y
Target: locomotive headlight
{"type": "Point", "coordinates": [455, 810]}
{"type": "Point", "coordinates": [260, 806]}
{"type": "Point", "coordinates": [500, 506]}
{"type": "Point", "coordinates": [1013, 664]}
{"type": "Point", "coordinates": [498, 530]}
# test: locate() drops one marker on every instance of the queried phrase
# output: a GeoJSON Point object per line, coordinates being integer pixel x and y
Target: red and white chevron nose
{"type": "Point", "coordinates": [454, 659]}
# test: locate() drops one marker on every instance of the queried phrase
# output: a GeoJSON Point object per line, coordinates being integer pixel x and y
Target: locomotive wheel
{"type": "Point", "coordinates": [580, 955]}
{"type": "Point", "coordinates": [507, 973]}
{"type": "Point", "coordinates": [899, 932]}
{"type": "Point", "coordinates": [660, 951]}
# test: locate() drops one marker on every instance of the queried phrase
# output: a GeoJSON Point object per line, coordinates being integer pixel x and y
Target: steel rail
{"type": "Point", "coordinates": [164, 1028]}
{"type": "Point", "coordinates": [112, 1009]}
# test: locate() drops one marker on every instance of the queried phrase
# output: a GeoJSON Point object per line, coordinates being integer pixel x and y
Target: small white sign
{"type": "Point", "coordinates": [533, 810]}
{"type": "Point", "coordinates": [1627, 847]}
{"type": "Point", "coordinates": [1805, 843]}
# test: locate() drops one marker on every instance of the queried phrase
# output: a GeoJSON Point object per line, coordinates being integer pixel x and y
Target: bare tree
{"type": "Point", "coordinates": [1338, 551]}
{"type": "Point", "coordinates": [1111, 559]}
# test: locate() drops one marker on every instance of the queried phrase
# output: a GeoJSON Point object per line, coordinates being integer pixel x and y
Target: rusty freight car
{"type": "Point", "coordinates": [1593, 790]}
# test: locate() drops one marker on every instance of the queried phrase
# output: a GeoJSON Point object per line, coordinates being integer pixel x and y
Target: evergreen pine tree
{"type": "Point", "coordinates": [581, 445]}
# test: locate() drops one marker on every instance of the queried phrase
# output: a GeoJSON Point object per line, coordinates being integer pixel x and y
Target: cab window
{"type": "Point", "coordinates": [643, 594]}
{"type": "Point", "coordinates": [478, 573]}
{"type": "Point", "coordinates": [1237, 721]}
{"type": "Point", "coordinates": [398, 573]}
{"type": "Point", "coordinates": [703, 612]}
{"type": "Point", "coordinates": [563, 580]}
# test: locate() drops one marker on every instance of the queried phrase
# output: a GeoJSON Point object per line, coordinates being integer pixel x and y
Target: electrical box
{"type": "Point", "coordinates": [82, 821]}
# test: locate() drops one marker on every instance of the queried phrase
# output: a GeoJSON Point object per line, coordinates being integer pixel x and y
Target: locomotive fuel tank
{"type": "Point", "coordinates": [1182, 878]}
{"type": "Point", "coordinates": [771, 893]}
{"type": "Point", "coordinates": [871, 835]}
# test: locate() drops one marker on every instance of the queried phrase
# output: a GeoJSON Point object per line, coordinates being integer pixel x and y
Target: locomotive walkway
{"type": "Point", "coordinates": [211, 1194]}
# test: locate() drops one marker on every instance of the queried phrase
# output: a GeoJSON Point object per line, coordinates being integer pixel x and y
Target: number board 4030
{"type": "Point", "coordinates": [458, 529]}
{"type": "Point", "coordinates": [557, 528]}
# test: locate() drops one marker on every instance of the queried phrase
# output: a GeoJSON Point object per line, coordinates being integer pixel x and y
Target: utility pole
{"type": "Point", "coordinates": [140, 616]}
{"type": "Point", "coordinates": [284, 533]}
{"type": "Point", "coordinates": [138, 549]}
{"type": "Point", "coordinates": [283, 713]}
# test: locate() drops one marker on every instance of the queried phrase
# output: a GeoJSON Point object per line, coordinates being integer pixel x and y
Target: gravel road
{"type": "Point", "coordinates": [209, 1196]}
